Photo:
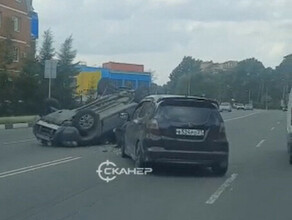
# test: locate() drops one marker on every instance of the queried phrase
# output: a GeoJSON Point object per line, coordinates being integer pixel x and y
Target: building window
{"type": "Point", "coordinates": [15, 54]}
{"type": "Point", "coordinates": [24, 55]}
{"type": "Point", "coordinates": [16, 24]}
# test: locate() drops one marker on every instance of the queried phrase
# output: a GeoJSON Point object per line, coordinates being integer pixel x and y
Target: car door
{"type": "Point", "coordinates": [129, 130]}
{"type": "Point", "coordinates": [136, 127]}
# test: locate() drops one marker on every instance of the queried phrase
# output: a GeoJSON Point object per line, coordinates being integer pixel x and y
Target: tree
{"type": "Point", "coordinates": [64, 87]}
{"type": "Point", "coordinates": [67, 54]}
{"type": "Point", "coordinates": [6, 58]}
{"type": "Point", "coordinates": [245, 79]}
{"type": "Point", "coordinates": [284, 71]}
{"type": "Point", "coordinates": [47, 51]}
{"type": "Point", "coordinates": [6, 53]}
{"type": "Point", "coordinates": [187, 67]}
{"type": "Point", "coordinates": [28, 88]}
{"type": "Point", "coordinates": [248, 81]}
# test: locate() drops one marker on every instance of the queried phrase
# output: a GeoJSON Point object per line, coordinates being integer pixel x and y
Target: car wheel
{"type": "Point", "coordinates": [139, 160]}
{"type": "Point", "coordinates": [85, 120]}
{"type": "Point", "coordinates": [219, 169]}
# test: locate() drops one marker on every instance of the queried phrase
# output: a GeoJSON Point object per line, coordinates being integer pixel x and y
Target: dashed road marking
{"type": "Point", "coordinates": [260, 143]}
{"type": "Point", "coordinates": [20, 141]}
{"type": "Point", "coordinates": [221, 189]}
{"type": "Point", "coordinates": [37, 166]}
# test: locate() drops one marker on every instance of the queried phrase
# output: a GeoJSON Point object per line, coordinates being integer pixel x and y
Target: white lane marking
{"type": "Point", "coordinates": [231, 119]}
{"type": "Point", "coordinates": [260, 143]}
{"type": "Point", "coordinates": [221, 189]}
{"type": "Point", "coordinates": [35, 167]}
{"type": "Point", "coordinates": [272, 128]}
{"type": "Point", "coordinates": [19, 142]}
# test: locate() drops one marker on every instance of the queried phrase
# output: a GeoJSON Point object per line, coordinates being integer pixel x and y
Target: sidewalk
{"type": "Point", "coordinates": [17, 121]}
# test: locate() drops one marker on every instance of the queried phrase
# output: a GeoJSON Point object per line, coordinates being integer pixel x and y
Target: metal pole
{"type": "Point", "coordinates": [50, 84]}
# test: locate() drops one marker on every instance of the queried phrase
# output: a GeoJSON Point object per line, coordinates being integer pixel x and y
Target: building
{"type": "Point", "coordinates": [139, 68]}
{"type": "Point", "coordinates": [211, 67]}
{"type": "Point", "coordinates": [18, 23]}
{"type": "Point", "coordinates": [118, 74]}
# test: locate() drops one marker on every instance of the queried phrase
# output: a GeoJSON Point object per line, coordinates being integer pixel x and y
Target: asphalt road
{"type": "Point", "coordinates": [51, 183]}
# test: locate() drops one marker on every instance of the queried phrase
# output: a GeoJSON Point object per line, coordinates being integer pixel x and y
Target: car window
{"type": "Point", "coordinates": [147, 109]}
{"type": "Point", "coordinates": [137, 112]}
{"type": "Point", "coordinates": [197, 115]}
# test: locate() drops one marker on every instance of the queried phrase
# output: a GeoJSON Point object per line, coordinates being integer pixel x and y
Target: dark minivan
{"type": "Point", "coordinates": [175, 129]}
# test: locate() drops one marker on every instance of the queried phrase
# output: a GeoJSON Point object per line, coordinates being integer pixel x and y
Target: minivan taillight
{"type": "Point", "coordinates": [153, 127]}
{"type": "Point", "coordinates": [221, 134]}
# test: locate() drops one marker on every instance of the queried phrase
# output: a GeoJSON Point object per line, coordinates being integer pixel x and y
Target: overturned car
{"type": "Point", "coordinates": [88, 124]}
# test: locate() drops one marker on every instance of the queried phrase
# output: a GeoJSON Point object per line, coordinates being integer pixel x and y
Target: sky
{"type": "Point", "coordinates": [159, 33]}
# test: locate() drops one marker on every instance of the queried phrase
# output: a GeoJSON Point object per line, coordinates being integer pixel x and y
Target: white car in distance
{"type": "Point", "coordinates": [225, 106]}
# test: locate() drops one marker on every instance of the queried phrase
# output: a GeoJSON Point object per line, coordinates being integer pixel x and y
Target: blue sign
{"type": "Point", "coordinates": [34, 25]}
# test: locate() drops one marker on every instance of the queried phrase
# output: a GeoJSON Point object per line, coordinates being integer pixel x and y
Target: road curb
{"type": "Point", "coordinates": [16, 125]}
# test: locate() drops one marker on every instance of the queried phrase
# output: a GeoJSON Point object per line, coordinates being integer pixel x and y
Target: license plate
{"type": "Point", "coordinates": [190, 132]}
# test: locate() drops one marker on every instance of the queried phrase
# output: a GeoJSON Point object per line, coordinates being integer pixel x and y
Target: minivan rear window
{"type": "Point", "coordinates": [181, 113]}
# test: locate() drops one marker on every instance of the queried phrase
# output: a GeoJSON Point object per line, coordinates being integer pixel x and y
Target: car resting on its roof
{"type": "Point", "coordinates": [88, 124]}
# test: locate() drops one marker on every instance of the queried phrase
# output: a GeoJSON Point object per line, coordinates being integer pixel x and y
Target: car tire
{"type": "Point", "coordinates": [219, 170]}
{"type": "Point", "coordinates": [139, 159]}
{"type": "Point", "coordinates": [85, 120]}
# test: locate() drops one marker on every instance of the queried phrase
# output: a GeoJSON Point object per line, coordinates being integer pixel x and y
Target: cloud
{"type": "Point", "coordinates": [159, 33]}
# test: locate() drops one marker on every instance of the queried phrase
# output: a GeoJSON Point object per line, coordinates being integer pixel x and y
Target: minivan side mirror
{"type": "Point", "coordinates": [125, 116]}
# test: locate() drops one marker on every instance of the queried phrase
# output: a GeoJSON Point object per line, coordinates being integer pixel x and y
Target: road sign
{"type": "Point", "coordinates": [50, 72]}
{"type": "Point", "coordinates": [51, 69]}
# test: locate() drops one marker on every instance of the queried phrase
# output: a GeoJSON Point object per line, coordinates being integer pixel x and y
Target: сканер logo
{"type": "Point", "coordinates": [108, 171]}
